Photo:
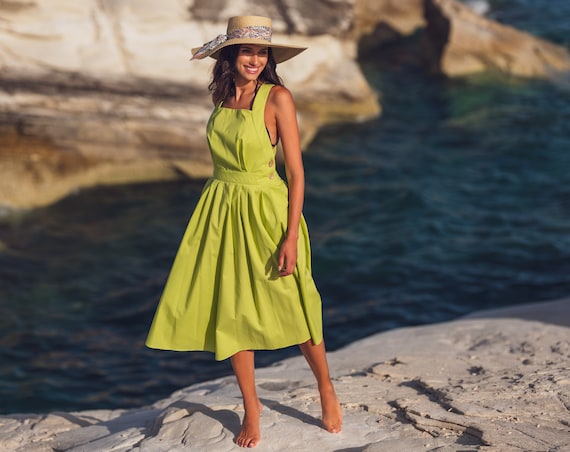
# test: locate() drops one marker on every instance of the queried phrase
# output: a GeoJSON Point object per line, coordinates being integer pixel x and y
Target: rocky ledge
{"type": "Point", "coordinates": [484, 383]}
{"type": "Point", "coordinates": [100, 91]}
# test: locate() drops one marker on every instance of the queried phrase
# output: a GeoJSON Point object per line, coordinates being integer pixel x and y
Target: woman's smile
{"type": "Point", "coordinates": [251, 60]}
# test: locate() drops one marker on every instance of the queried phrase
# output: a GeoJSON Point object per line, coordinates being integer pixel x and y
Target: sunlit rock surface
{"type": "Point", "coordinates": [102, 91]}
{"type": "Point", "coordinates": [462, 42]}
{"type": "Point", "coordinates": [489, 384]}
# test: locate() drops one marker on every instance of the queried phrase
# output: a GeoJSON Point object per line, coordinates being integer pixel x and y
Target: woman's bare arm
{"type": "Point", "coordinates": [283, 109]}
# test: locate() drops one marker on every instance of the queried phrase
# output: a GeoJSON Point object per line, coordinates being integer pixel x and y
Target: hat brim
{"type": "Point", "coordinates": [281, 52]}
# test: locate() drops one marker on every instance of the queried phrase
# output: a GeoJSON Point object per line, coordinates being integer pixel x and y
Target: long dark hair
{"type": "Point", "coordinates": [222, 85]}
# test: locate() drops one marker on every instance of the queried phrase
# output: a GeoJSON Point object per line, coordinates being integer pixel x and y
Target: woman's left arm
{"type": "Point", "coordinates": [288, 132]}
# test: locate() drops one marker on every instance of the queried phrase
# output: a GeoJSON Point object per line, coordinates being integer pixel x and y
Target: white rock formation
{"type": "Point", "coordinates": [101, 91]}
{"type": "Point", "coordinates": [457, 40]}
{"type": "Point", "coordinates": [463, 42]}
{"type": "Point", "coordinates": [475, 384]}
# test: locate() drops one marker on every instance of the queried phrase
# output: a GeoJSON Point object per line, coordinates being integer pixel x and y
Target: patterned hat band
{"type": "Point", "coordinates": [247, 30]}
{"type": "Point", "coordinates": [252, 32]}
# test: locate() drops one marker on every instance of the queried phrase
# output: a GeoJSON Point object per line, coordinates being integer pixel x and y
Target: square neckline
{"type": "Point", "coordinates": [253, 105]}
{"type": "Point", "coordinates": [257, 89]}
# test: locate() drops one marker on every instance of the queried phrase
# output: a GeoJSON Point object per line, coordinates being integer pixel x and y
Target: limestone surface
{"type": "Point", "coordinates": [103, 92]}
{"type": "Point", "coordinates": [484, 384]}
{"type": "Point", "coordinates": [458, 41]}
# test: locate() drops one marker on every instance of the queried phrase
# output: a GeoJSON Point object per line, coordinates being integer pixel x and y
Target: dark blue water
{"type": "Point", "coordinates": [456, 199]}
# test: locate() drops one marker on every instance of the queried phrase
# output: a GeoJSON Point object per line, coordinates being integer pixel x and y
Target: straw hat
{"type": "Point", "coordinates": [246, 30]}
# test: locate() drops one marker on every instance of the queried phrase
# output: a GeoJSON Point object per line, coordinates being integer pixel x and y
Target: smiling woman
{"type": "Point", "coordinates": [251, 61]}
{"type": "Point", "coordinates": [238, 66]}
{"type": "Point", "coordinates": [242, 278]}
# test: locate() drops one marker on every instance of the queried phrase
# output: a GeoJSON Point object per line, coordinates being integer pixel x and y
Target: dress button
{"type": "Point", "coordinates": [271, 176]}
{"type": "Point", "coordinates": [270, 163]}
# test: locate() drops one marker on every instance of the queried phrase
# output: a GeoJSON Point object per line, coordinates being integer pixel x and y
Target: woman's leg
{"type": "Point", "coordinates": [317, 359]}
{"type": "Point", "coordinates": [244, 369]}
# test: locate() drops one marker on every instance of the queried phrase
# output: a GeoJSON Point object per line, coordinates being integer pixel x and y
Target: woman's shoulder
{"type": "Point", "coordinates": [279, 95]}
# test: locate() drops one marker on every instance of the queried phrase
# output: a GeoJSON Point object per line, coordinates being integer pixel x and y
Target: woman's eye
{"type": "Point", "coordinates": [247, 51]}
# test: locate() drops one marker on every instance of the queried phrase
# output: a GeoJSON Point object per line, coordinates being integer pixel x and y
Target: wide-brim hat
{"type": "Point", "coordinates": [247, 30]}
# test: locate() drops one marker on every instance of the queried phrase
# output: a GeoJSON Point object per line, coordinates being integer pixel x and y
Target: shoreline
{"type": "Point", "coordinates": [556, 312]}
{"type": "Point", "coordinates": [493, 380]}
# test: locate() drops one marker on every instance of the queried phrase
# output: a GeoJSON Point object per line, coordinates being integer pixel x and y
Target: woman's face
{"type": "Point", "coordinates": [251, 60]}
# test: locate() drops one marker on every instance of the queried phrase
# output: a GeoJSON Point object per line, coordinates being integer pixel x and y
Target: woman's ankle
{"type": "Point", "coordinates": [252, 405]}
{"type": "Point", "coordinates": [326, 386]}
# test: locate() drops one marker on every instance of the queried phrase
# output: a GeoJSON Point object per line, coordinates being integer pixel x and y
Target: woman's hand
{"type": "Point", "coordinates": [287, 256]}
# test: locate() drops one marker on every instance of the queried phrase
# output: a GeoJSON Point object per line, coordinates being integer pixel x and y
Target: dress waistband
{"type": "Point", "coordinates": [243, 177]}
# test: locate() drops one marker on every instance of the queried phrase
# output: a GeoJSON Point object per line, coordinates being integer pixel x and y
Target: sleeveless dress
{"type": "Point", "coordinates": [224, 293]}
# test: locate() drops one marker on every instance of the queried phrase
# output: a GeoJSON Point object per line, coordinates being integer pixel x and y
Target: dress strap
{"type": "Point", "coordinates": [261, 96]}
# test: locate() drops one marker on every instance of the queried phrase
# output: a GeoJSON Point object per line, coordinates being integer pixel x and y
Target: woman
{"type": "Point", "coordinates": [241, 280]}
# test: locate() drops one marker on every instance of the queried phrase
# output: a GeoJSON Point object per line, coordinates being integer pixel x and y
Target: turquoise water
{"type": "Point", "coordinates": [456, 199]}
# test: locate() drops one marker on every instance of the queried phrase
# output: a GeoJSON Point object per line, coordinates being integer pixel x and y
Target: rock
{"type": "Point", "coordinates": [58, 136]}
{"type": "Point", "coordinates": [481, 7]}
{"type": "Point", "coordinates": [454, 39]}
{"type": "Point", "coordinates": [460, 385]}
{"type": "Point", "coordinates": [296, 17]}
{"type": "Point", "coordinates": [383, 29]}
{"type": "Point", "coordinates": [403, 17]}
{"type": "Point", "coordinates": [458, 41]}
{"type": "Point", "coordinates": [101, 92]}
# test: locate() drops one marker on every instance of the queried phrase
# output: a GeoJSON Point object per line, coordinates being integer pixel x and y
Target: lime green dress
{"type": "Point", "coordinates": [224, 293]}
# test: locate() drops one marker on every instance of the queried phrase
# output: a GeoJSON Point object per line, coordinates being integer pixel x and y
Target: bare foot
{"type": "Point", "coordinates": [332, 413]}
{"type": "Point", "coordinates": [250, 434]}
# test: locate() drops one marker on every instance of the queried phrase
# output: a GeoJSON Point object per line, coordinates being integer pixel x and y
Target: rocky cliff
{"type": "Point", "coordinates": [101, 91]}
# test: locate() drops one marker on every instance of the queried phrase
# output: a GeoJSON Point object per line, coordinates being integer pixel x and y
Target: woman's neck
{"type": "Point", "coordinates": [244, 95]}
{"type": "Point", "coordinates": [245, 89]}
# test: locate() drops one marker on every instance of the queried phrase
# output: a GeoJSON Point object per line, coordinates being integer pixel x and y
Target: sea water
{"type": "Point", "coordinates": [456, 199]}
